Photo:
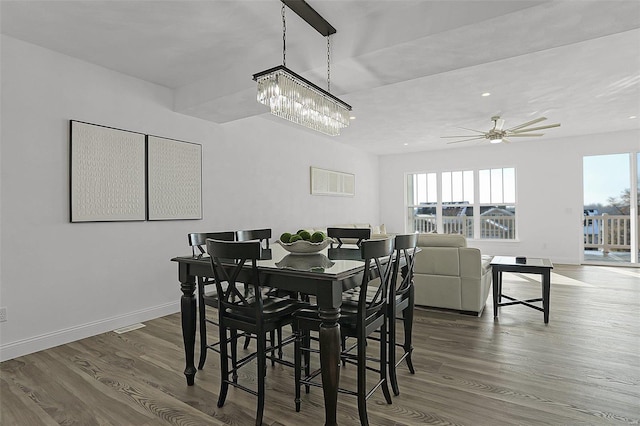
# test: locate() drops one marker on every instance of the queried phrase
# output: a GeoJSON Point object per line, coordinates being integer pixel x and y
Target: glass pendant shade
{"type": "Point", "coordinates": [296, 99]}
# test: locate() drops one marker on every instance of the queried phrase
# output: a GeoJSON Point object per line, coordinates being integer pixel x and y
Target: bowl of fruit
{"type": "Point", "coordinates": [304, 242]}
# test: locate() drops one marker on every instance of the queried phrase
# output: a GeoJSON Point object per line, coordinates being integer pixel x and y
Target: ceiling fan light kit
{"type": "Point", "coordinates": [498, 135]}
{"type": "Point", "coordinates": [294, 98]}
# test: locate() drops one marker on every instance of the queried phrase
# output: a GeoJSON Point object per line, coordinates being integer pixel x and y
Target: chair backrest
{"type": "Point", "coordinates": [405, 247]}
{"type": "Point", "coordinates": [378, 263]}
{"type": "Point", "coordinates": [358, 234]}
{"type": "Point", "coordinates": [228, 259]}
{"type": "Point", "coordinates": [261, 235]}
{"type": "Point", "coordinates": [198, 240]}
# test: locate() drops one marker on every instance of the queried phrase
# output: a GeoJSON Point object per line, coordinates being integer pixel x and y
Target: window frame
{"type": "Point", "coordinates": [476, 206]}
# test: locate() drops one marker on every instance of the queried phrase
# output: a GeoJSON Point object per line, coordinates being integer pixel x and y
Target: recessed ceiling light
{"type": "Point", "coordinates": [485, 94]}
{"type": "Point", "coordinates": [406, 143]}
{"type": "Point", "coordinates": [352, 118]}
{"type": "Point", "coordinates": [632, 116]}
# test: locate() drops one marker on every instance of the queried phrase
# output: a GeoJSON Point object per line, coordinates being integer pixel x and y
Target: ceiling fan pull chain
{"type": "Point", "coordinates": [284, 38]}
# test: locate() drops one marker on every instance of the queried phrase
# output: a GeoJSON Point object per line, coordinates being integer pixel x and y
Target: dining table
{"type": "Point", "coordinates": [325, 274]}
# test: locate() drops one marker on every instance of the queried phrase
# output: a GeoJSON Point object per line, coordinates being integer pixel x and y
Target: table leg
{"type": "Point", "coordinates": [330, 361]}
{"type": "Point", "coordinates": [546, 292]}
{"type": "Point", "coordinates": [188, 311]}
{"type": "Point", "coordinates": [497, 289]}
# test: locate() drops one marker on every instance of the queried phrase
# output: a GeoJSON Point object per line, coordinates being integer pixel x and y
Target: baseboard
{"type": "Point", "coordinates": [60, 337]}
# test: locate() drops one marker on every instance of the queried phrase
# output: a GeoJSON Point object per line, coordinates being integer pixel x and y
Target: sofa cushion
{"type": "Point", "coordinates": [441, 240]}
{"type": "Point", "coordinates": [438, 261]}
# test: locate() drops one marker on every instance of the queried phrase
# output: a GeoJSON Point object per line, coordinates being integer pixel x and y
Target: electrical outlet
{"type": "Point", "coordinates": [3, 314]}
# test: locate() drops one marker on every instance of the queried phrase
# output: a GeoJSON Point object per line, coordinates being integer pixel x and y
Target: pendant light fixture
{"type": "Point", "coordinates": [291, 96]}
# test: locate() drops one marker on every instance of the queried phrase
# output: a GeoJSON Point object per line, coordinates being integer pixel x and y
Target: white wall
{"type": "Point", "coordinates": [549, 188]}
{"type": "Point", "coordinates": [62, 281]}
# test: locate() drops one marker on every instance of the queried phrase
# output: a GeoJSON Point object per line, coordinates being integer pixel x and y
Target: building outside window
{"type": "Point", "coordinates": [445, 202]}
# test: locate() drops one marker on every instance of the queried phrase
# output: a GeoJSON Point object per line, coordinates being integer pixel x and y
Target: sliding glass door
{"type": "Point", "coordinates": [610, 220]}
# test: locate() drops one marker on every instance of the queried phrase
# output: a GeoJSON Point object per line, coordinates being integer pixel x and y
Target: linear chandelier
{"type": "Point", "coordinates": [294, 98]}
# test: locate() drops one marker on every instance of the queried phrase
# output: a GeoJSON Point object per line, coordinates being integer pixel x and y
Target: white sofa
{"type": "Point", "coordinates": [450, 275]}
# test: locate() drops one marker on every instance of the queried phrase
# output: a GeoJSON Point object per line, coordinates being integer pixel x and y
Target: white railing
{"type": "Point", "coordinates": [498, 227]}
{"type": "Point", "coordinates": [607, 232]}
{"type": "Point", "coordinates": [491, 227]}
{"type": "Point", "coordinates": [424, 224]}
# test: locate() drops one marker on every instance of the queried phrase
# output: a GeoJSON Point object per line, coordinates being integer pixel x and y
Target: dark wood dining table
{"type": "Point", "coordinates": [325, 274]}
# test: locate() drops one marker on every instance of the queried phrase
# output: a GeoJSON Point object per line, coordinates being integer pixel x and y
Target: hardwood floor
{"type": "Point", "coordinates": [583, 368]}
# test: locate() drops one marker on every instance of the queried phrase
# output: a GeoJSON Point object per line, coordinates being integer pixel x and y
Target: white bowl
{"type": "Point", "coordinates": [305, 247]}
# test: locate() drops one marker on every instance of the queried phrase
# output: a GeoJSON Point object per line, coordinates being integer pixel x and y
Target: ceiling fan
{"type": "Point", "coordinates": [498, 134]}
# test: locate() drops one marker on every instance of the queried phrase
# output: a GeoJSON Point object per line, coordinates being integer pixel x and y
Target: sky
{"type": "Point", "coordinates": [605, 176]}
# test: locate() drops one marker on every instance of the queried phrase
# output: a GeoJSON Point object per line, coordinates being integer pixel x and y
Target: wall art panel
{"type": "Point", "coordinates": [328, 182]}
{"type": "Point", "coordinates": [175, 179]}
{"type": "Point", "coordinates": [107, 174]}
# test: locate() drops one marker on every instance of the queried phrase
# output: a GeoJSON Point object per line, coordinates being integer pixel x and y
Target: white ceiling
{"type": "Point", "coordinates": [412, 70]}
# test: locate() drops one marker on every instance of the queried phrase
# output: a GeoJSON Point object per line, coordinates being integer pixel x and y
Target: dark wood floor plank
{"type": "Point", "coordinates": [19, 409]}
{"type": "Point", "coordinates": [581, 368]}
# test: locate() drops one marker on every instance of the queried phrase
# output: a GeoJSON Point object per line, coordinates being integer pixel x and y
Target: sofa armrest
{"type": "Point", "coordinates": [471, 263]}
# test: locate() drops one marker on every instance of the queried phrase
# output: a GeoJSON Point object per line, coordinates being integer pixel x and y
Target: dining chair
{"type": "Point", "coordinates": [198, 241]}
{"type": "Point", "coordinates": [357, 234]}
{"type": "Point", "coordinates": [401, 301]}
{"type": "Point", "coordinates": [358, 319]}
{"type": "Point", "coordinates": [262, 235]}
{"type": "Point", "coordinates": [256, 313]}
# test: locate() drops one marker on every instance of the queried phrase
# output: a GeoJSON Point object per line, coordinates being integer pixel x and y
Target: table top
{"type": "Point", "coordinates": [530, 262]}
{"type": "Point", "coordinates": [329, 263]}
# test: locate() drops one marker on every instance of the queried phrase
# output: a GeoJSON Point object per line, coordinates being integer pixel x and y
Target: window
{"type": "Point", "coordinates": [422, 202]}
{"type": "Point", "coordinates": [457, 202]}
{"type": "Point", "coordinates": [497, 203]}
{"type": "Point", "coordinates": [446, 202]}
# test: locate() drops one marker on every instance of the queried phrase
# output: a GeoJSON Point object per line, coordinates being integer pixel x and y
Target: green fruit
{"type": "Point", "coordinates": [317, 237]}
{"type": "Point", "coordinates": [295, 238]}
{"type": "Point", "coordinates": [286, 237]}
{"type": "Point", "coordinates": [299, 231]}
{"type": "Point", "coordinates": [305, 235]}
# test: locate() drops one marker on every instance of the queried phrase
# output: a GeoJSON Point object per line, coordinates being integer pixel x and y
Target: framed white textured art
{"type": "Point", "coordinates": [174, 170]}
{"type": "Point", "coordinates": [107, 175]}
{"type": "Point", "coordinates": [328, 182]}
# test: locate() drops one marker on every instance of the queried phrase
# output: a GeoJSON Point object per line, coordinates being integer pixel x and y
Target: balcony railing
{"type": "Point", "coordinates": [607, 232]}
{"type": "Point", "coordinates": [491, 227]}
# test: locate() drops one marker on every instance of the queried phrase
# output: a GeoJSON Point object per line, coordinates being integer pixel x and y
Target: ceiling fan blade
{"type": "Point", "coordinates": [528, 123]}
{"type": "Point", "coordinates": [506, 140]}
{"type": "Point", "coordinates": [536, 128]}
{"type": "Point", "coordinates": [461, 136]}
{"type": "Point", "coordinates": [520, 135]}
{"type": "Point", "coordinates": [499, 124]}
{"type": "Point", "coordinates": [473, 130]}
{"type": "Point", "coordinates": [465, 140]}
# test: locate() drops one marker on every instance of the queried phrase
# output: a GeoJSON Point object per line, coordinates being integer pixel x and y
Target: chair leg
{"type": "Point", "coordinates": [307, 359]}
{"type": "Point", "coordinates": [203, 325]}
{"type": "Point", "coordinates": [234, 354]}
{"type": "Point", "coordinates": [247, 339]}
{"type": "Point", "coordinates": [362, 381]}
{"type": "Point", "coordinates": [408, 329]}
{"type": "Point", "coordinates": [224, 366]}
{"type": "Point", "coordinates": [392, 351]}
{"type": "Point", "coordinates": [279, 331]}
{"type": "Point", "coordinates": [383, 363]}
{"type": "Point", "coordinates": [297, 360]}
{"type": "Point", "coordinates": [262, 371]}
{"type": "Point", "coordinates": [344, 348]}
{"type": "Point", "coordinates": [272, 338]}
